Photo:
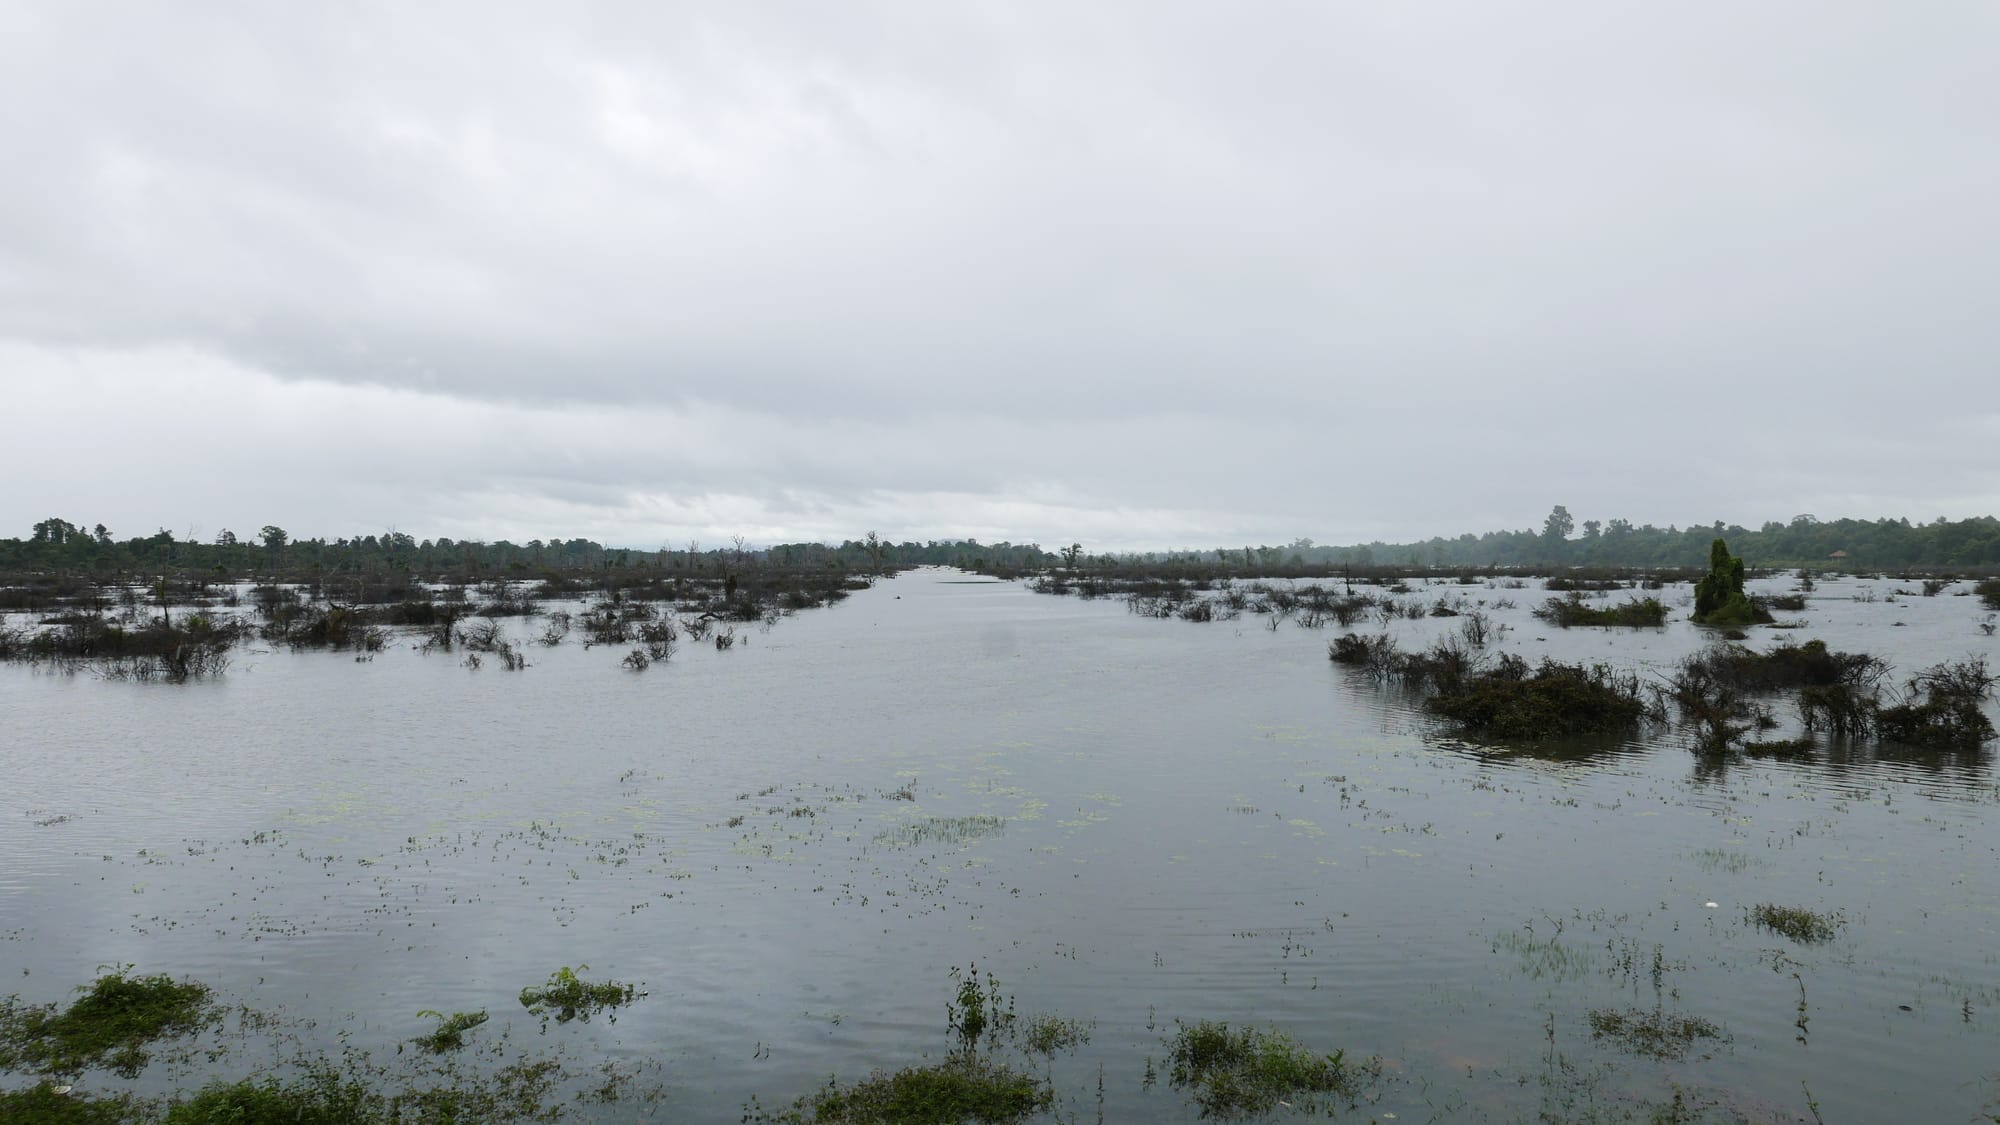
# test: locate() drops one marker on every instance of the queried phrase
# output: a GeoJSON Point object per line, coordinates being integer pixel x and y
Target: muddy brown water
{"type": "Point", "coordinates": [1124, 820]}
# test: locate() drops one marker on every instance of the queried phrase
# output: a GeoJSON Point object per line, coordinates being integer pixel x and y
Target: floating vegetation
{"type": "Point", "coordinates": [1656, 1034]}
{"type": "Point", "coordinates": [1246, 1072]}
{"type": "Point", "coordinates": [942, 830]}
{"type": "Point", "coordinates": [1808, 927]}
{"type": "Point", "coordinates": [109, 1025]}
{"type": "Point", "coordinates": [449, 1034]}
{"type": "Point", "coordinates": [567, 997]}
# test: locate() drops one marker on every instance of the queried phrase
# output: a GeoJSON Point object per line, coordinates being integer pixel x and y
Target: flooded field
{"type": "Point", "coordinates": [1122, 831]}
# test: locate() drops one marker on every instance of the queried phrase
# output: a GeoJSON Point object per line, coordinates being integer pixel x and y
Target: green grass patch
{"type": "Point", "coordinates": [1808, 927]}
{"type": "Point", "coordinates": [1244, 1072]}
{"type": "Point", "coordinates": [965, 1087]}
{"type": "Point", "coordinates": [109, 1025]}
{"type": "Point", "coordinates": [1656, 1034]}
{"type": "Point", "coordinates": [567, 997]}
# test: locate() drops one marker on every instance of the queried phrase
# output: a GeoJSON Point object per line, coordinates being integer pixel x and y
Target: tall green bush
{"type": "Point", "coordinates": [1719, 598]}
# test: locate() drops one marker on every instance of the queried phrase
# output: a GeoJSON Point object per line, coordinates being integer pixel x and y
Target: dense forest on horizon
{"type": "Point", "coordinates": [1562, 541]}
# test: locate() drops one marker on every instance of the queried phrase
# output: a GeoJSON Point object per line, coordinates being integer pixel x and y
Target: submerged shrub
{"type": "Point", "coordinates": [1943, 707]}
{"type": "Point", "coordinates": [109, 1025]}
{"type": "Point", "coordinates": [1555, 700]}
{"type": "Point", "coordinates": [1989, 593]}
{"type": "Point", "coordinates": [1633, 613]}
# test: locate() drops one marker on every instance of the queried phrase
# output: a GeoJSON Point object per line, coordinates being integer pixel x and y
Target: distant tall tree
{"type": "Point", "coordinates": [274, 537]}
{"type": "Point", "coordinates": [1558, 525]}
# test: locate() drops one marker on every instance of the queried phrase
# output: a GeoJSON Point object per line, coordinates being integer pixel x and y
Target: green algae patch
{"type": "Point", "coordinates": [109, 1025]}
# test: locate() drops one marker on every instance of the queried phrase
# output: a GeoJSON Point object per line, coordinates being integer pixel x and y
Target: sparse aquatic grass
{"type": "Point", "coordinates": [942, 830]}
{"type": "Point", "coordinates": [335, 1095]}
{"type": "Point", "coordinates": [1807, 927]}
{"type": "Point", "coordinates": [1545, 957]}
{"type": "Point", "coordinates": [567, 997]}
{"type": "Point", "coordinates": [1659, 1035]}
{"type": "Point", "coordinates": [109, 1025]}
{"type": "Point", "coordinates": [1721, 861]}
{"type": "Point", "coordinates": [449, 1035]}
{"type": "Point", "coordinates": [1244, 1072]}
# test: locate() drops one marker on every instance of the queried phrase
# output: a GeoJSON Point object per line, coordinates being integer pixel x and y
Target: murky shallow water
{"type": "Point", "coordinates": [1124, 820]}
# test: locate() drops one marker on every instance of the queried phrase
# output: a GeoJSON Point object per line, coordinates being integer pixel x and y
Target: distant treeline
{"type": "Point", "coordinates": [57, 544]}
{"type": "Point", "coordinates": [1804, 541]}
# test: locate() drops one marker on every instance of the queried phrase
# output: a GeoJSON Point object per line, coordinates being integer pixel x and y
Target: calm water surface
{"type": "Point", "coordinates": [1124, 820]}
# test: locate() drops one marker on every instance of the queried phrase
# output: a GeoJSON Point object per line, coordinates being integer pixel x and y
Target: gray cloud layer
{"type": "Point", "coordinates": [1146, 274]}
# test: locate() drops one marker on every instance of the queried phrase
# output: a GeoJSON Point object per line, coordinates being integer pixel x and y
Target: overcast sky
{"type": "Point", "coordinates": [1137, 274]}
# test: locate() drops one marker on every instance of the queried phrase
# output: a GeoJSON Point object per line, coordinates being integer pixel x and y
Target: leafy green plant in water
{"type": "Point", "coordinates": [567, 997]}
{"type": "Point", "coordinates": [110, 1024]}
{"type": "Point", "coordinates": [1246, 1072]}
{"type": "Point", "coordinates": [450, 1032]}
{"type": "Point", "coordinates": [1796, 922]}
{"type": "Point", "coordinates": [977, 1013]}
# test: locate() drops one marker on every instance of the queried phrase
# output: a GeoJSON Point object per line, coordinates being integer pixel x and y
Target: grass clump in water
{"type": "Point", "coordinates": [110, 1024]}
{"type": "Point", "coordinates": [1241, 1073]}
{"type": "Point", "coordinates": [1658, 1035]}
{"type": "Point", "coordinates": [567, 997]}
{"type": "Point", "coordinates": [1047, 1035]}
{"type": "Point", "coordinates": [964, 1087]}
{"type": "Point", "coordinates": [1808, 927]}
{"type": "Point", "coordinates": [449, 1034]}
